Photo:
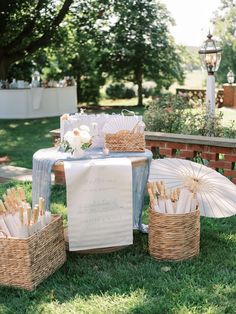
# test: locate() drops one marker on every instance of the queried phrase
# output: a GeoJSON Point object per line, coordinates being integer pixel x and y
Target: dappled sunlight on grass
{"type": "Point", "coordinates": [132, 102]}
{"type": "Point", "coordinates": [104, 303]}
{"type": "Point", "coordinates": [23, 138]}
{"type": "Point", "coordinates": [126, 281]}
{"type": "Point", "coordinates": [3, 132]}
{"type": "Point", "coordinates": [44, 121]}
{"type": "Point", "coordinates": [229, 115]}
{"type": "Point", "coordinates": [60, 209]}
{"type": "Point", "coordinates": [13, 126]}
{"type": "Point", "coordinates": [130, 281]}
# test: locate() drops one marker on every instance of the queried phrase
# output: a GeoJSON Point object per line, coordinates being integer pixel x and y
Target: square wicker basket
{"type": "Point", "coordinates": [25, 263]}
{"type": "Point", "coordinates": [174, 236]}
{"type": "Point", "coordinates": [125, 141]}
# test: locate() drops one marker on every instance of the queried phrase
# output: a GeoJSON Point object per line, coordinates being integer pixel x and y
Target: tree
{"type": "Point", "coordinates": [74, 52]}
{"type": "Point", "coordinates": [26, 26]}
{"type": "Point", "coordinates": [225, 28]}
{"type": "Point", "coordinates": [121, 39]}
{"type": "Point", "coordinates": [190, 58]}
{"type": "Point", "coordinates": [138, 42]}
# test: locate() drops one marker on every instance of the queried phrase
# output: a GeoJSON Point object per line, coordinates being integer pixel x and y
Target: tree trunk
{"type": "Point", "coordinates": [4, 66]}
{"type": "Point", "coordinates": [139, 79]}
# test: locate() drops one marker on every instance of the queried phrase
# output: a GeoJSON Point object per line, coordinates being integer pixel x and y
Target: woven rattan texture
{"type": "Point", "coordinates": [174, 237]}
{"type": "Point", "coordinates": [128, 142]}
{"type": "Point", "coordinates": [25, 263]}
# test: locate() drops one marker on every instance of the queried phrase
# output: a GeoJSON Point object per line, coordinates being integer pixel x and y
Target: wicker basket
{"type": "Point", "coordinates": [24, 263]}
{"type": "Point", "coordinates": [174, 237]}
{"type": "Point", "coordinates": [125, 141]}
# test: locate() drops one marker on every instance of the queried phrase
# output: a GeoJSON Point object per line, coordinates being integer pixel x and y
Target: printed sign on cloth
{"type": "Point", "coordinates": [99, 201]}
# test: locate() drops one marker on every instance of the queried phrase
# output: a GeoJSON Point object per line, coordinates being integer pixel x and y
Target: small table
{"type": "Point", "coordinates": [47, 160]}
{"type": "Point", "coordinates": [59, 172]}
{"type": "Point", "coordinates": [140, 177]}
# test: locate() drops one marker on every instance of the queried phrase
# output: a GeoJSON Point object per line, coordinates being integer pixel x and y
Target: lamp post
{"type": "Point", "coordinates": [230, 77]}
{"type": "Point", "coordinates": [210, 56]}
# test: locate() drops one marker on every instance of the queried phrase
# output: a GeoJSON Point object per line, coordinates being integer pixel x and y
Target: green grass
{"type": "Point", "coordinates": [21, 138]}
{"type": "Point", "coordinates": [229, 115]}
{"type": "Point", "coordinates": [116, 108]}
{"type": "Point", "coordinates": [121, 102]}
{"type": "Point", "coordinates": [194, 79]}
{"type": "Point", "coordinates": [130, 281]}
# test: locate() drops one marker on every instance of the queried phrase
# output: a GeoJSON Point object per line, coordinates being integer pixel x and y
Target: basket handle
{"type": "Point", "coordinates": [127, 111]}
{"type": "Point", "coordinates": [135, 127]}
{"type": "Point", "coordinates": [4, 233]}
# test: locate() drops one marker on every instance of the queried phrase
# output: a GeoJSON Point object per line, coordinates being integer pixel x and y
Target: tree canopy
{"type": "Point", "coordinates": [139, 44]}
{"type": "Point", "coordinates": [225, 28]}
{"type": "Point", "coordinates": [26, 26]}
{"type": "Point", "coordinates": [122, 40]}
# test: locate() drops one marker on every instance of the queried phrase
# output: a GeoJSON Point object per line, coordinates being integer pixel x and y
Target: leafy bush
{"type": "Point", "coordinates": [119, 91]}
{"type": "Point", "coordinates": [89, 91]}
{"type": "Point", "coordinates": [175, 114]}
{"type": "Point", "coordinates": [129, 93]}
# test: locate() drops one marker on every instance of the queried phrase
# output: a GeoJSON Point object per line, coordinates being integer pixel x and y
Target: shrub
{"type": "Point", "coordinates": [119, 91]}
{"type": "Point", "coordinates": [89, 90]}
{"type": "Point", "coordinates": [175, 114]}
{"type": "Point", "coordinates": [129, 93]}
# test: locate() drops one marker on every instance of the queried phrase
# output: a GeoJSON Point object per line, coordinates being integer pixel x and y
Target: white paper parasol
{"type": "Point", "coordinates": [215, 193]}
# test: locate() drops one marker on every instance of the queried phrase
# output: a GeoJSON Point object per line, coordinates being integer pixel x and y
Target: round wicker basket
{"type": "Point", "coordinates": [174, 236]}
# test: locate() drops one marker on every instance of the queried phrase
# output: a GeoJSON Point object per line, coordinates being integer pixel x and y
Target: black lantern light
{"type": "Point", "coordinates": [210, 55]}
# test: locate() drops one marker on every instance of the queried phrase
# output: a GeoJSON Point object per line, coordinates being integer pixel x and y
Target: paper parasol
{"type": "Point", "coordinates": [215, 193]}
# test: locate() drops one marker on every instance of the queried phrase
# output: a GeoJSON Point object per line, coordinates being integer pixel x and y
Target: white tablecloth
{"type": "Point", "coordinates": [37, 102]}
{"type": "Point", "coordinates": [44, 159]}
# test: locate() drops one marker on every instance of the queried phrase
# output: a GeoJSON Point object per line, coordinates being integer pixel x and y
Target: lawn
{"type": "Point", "coordinates": [193, 79]}
{"type": "Point", "coordinates": [130, 281]}
{"type": "Point", "coordinates": [21, 138]}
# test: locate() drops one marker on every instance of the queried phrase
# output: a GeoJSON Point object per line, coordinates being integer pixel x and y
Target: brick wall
{"type": "Point", "coordinates": [217, 153]}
